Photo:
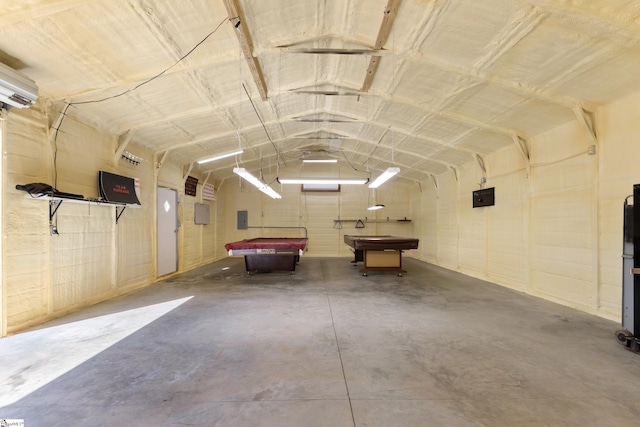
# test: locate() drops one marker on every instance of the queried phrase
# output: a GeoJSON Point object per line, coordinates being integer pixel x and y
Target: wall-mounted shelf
{"type": "Point", "coordinates": [56, 201]}
{"type": "Point", "coordinates": [337, 223]}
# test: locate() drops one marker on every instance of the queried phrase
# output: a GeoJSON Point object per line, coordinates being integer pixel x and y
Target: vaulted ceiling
{"type": "Point", "coordinates": [421, 84]}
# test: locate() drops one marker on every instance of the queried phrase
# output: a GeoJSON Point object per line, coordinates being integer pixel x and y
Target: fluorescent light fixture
{"type": "Point", "coordinates": [384, 176]}
{"type": "Point", "coordinates": [319, 160]}
{"type": "Point", "coordinates": [222, 156]}
{"type": "Point", "coordinates": [322, 180]}
{"type": "Point", "coordinates": [375, 207]}
{"type": "Point", "coordinates": [257, 183]}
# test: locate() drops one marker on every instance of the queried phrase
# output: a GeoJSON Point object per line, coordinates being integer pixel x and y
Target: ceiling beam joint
{"type": "Point", "coordinates": [390, 12]}
{"type": "Point", "coordinates": [160, 162]}
{"type": "Point", "coordinates": [189, 169]}
{"type": "Point", "coordinates": [123, 141]}
{"type": "Point", "coordinates": [587, 119]}
{"type": "Point", "coordinates": [480, 163]}
{"type": "Point", "coordinates": [239, 23]}
{"type": "Point", "coordinates": [521, 144]}
{"type": "Point", "coordinates": [455, 173]}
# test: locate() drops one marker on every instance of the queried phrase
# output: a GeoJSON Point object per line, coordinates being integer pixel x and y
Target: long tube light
{"type": "Point", "coordinates": [384, 176]}
{"type": "Point", "coordinates": [222, 156]}
{"type": "Point", "coordinates": [319, 160]}
{"type": "Point", "coordinates": [322, 181]}
{"type": "Point", "coordinates": [257, 183]}
{"type": "Point", "coordinates": [375, 207]}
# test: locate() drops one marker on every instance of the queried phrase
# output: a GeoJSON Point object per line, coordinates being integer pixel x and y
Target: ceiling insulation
{"type": "Point", "coordinates": [452, 79]}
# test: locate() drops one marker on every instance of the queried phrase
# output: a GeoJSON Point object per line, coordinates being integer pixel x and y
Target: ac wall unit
{"type": "Point", "coordinates": [16, 89]}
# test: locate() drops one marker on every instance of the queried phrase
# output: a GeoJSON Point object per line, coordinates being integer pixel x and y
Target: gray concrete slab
{"type": "Point", "coordinates": [323, 347]}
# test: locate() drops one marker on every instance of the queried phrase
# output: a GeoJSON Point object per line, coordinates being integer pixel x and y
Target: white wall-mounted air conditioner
{"type": "Point", "coordinates": [16, 89]}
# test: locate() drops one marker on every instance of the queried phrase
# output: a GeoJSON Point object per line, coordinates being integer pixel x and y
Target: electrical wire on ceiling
{"type": "Point", "coordinates": [275, 147]}
{"type": "Point", "coordinates": [70, 104]}
{"type": "Point", "coordinates": [183, 57]}
{"type": "Point", "coordinates": [349, 161]}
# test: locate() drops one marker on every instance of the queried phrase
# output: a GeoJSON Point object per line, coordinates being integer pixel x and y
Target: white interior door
{"type": "Point", "coordinates": [167, 231]}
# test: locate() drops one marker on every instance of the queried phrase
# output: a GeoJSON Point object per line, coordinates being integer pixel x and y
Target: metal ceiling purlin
{"type": "Point", "coordinates": [239, 22]}
{"type": "Point", "coordinates": [390, 13]}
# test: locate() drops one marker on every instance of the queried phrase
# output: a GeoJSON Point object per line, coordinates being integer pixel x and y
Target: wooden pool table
{"type": "Point", "coordinates": [380, 253]}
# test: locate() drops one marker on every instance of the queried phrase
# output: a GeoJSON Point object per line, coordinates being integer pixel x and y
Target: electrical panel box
{"type": "Point", "coordinates": [243, 220]}
{"type": "Point", "coordinates": [201, 213]}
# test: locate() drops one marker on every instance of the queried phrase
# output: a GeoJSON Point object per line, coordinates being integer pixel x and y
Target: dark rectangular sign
{"type": "Point", "coordinates": [190, 186]}
{"type": "Point", "coordinates": [484, 197]}
{"type": "Point", "coordinates": [117, 188]}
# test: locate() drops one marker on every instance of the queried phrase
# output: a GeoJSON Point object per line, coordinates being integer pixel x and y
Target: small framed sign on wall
{"type": "Point", "coordinates": [484, 197]}
{"type": "Point", "coordinates": [190, 186]}
{"type": "Point", "coordinates": [208, 192]}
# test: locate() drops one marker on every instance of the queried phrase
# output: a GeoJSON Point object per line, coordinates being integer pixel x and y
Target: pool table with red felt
{"type": "Point", "coordinates": [267, 254]}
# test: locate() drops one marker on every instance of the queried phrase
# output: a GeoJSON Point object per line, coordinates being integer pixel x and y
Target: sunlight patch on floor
{"type": "Point", "coordinates": [32, 359]}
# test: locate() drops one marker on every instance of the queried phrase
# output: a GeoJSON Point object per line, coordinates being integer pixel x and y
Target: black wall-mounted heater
{"type": "Point", "coordinates": [628, 336]}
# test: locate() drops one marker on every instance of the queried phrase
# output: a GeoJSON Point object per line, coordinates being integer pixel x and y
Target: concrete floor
{"type": "Point", "coordinates": [324, 347]}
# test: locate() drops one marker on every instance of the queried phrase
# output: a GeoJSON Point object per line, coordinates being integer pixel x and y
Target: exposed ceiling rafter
{"type": "Point", "coordinates": [238, 20]}
{"type": "Point", "coordinates": [468, 78]}
{"type": "Point", "coordinates": [390, 12]}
